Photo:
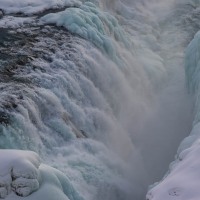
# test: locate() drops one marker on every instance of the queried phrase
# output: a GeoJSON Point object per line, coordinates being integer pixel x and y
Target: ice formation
{"type": "Point", "coordinates": [30, 7]}
{"type": "Point", "coordinates": [92, 24]}
{"type": "Point", "coordinates": [18, 172]}
{"type": "Point", "coordinates": [23, 175]}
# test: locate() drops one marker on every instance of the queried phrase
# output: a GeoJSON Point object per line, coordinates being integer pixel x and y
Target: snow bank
{"type": "Point", "coordinates": [22, 175]}
{"type": "Point", "coordinates": [31, 7]}
{"type": "Point", "coordinates": [183, 180]}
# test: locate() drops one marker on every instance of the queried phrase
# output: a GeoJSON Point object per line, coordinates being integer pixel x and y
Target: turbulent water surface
{"type": "Point", "coordinates": [97, 88]}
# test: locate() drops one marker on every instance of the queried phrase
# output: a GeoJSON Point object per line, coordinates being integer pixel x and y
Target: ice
{"type": "Point", "coordinates": [31, 7]}
{"type": "Point", "coordinates": [89, 22]}
{"type": "Point", "coordinates": [23, 175]}
{"type": "Point", "coordinates": [182, 182]}
{"type": "Point", "coordinates": [19, 172]}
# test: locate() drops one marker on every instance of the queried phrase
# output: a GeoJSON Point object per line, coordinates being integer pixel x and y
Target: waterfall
{"type": "Point", "coordinates": [97, 89]}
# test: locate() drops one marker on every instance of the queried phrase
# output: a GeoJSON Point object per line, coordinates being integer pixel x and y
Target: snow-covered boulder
{"type": "Point", "coordinates": [19, 172]}
{"type": "Point", "coordinates": [23, 175]}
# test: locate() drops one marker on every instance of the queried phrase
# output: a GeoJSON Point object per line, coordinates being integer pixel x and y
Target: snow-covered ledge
{"type": "Point", "coordinates": [183, 179]}
{"type": "Point", "coordinates": [23, 175]}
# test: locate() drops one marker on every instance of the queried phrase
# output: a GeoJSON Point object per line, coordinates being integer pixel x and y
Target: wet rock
{"type": "Point", "coordinates": [1, 14]}
{"type": "Point", "coordinates": [84, 133]}
{"type": "Point", "coordinates": [76, 131]}
{"type": "Point", "coordinates": [4, 118]}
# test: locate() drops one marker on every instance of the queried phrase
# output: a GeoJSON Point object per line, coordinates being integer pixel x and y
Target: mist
{"type": "Point", "coordinates": [158, 115]}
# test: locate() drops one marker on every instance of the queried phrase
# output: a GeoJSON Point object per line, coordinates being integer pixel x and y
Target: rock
{"type": "Point", "coordinates": [1, 14]}
{"type": "Point", "coordinates": [4, 118]}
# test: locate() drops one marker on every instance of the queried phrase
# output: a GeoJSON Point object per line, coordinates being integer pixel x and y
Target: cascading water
{"type": "Point", "coordinates": [97, 89]}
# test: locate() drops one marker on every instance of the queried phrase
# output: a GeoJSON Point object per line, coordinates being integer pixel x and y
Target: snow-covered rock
{"type": "Point", "coordinates": [23, 175]}
{"type": "Point", "coordinates": [31, 7]}
{"type": "Point", "coordinates": [183, 180]}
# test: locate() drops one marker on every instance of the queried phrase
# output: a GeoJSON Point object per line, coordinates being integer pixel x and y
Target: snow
{"type": "Point", "coordinates": [183, 181]}
{"type": "Point", "coordinates": [23, 175]}
{"type": "Point", "coordinates": [31, 7]}
{"type": "Point", "coordinates": [15, 22]}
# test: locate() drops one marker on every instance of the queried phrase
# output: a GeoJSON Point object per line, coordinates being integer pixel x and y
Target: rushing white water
{"type": "Point", "coordinates": [101, 93]}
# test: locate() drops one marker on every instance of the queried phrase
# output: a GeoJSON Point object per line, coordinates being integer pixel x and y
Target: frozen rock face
{"type": "Point", "coordinates": [23, 175]}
